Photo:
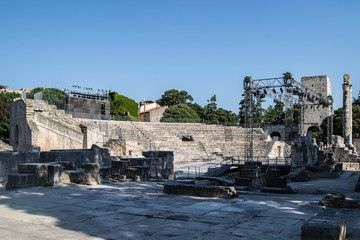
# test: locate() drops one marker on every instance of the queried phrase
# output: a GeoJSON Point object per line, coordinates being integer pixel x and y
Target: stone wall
{"type": "Point", "coordinates": [286, 132]}
{"type": "Point", "coordinates": [157, 114]}
{"type": "Point", "coordinates": [20, 133]}
{"type": "Point", "coordinates": [88, 108]}
{"type": "Point", "coordinates": [279, 149]}
{"type": "Point", "coordinates": [78, 156]}
{"type": "Point", "coordinates": [35, 125]}
{"type": "Point", "coordinates": [9, 161]}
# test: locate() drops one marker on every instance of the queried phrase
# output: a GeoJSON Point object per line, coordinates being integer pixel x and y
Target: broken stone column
{"type": "Point", "coordinates": [347, 115]}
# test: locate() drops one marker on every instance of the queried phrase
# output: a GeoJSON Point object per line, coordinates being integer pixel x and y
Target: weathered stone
{"type": "Point", "coordinates": [54, 175]}
{"type": "Point", "coordinates": [76, 177]}
{"type": "Point", "coordinates": [91, 172]}
{"type": "Point", "coordinates": [331, 200]}
{"type": "Point", "coordinates": [199, 190]}
{"type": "Point", "coordinates": [347, 112]}
{"type": "Point", "coordinates": [20, 180]}
{"type": "Point", "coordinates": [320, 229]}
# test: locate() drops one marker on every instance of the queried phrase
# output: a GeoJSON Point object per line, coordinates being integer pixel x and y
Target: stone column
{"type": "Point", "coordinates": [347, 115]}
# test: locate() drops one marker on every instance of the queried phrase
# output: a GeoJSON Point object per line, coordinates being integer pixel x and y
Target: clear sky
{"type": "Point", "coordinates": [205, 47]}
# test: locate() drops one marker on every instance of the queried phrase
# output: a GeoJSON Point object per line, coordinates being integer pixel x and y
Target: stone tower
{"type": "Point", "coordinates": [347, 112]}
{"type": "Point", "coordinates": [314, 115]}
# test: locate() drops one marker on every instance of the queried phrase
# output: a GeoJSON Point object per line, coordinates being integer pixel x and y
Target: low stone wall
{"type": "Point", "coordinates": [199, 190]}
{"type": "Point", "coordinates": [78, 156]}
{"type": "Point", "coordinates": [9, 162]}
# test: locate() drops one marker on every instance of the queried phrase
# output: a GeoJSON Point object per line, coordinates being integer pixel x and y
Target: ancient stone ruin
{"type": "Point", "coordinates": [51, 148]}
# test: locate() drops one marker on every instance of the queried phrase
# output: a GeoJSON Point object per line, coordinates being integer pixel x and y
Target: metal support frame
{"type": "Point", "coordinates": [248, 86]}
{"type": "Point", "coordinates": [284, 89]}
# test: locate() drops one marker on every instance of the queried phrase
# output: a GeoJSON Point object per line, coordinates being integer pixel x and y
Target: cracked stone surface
{"type": "Point", "coordinates": [140, 210]}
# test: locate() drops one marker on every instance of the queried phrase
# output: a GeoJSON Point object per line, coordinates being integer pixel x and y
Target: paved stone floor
{"type": "Point", "coordinates": [140, 210]}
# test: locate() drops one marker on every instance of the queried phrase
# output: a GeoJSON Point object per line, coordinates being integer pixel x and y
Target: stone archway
{"type": "Point", "coordinates": [275, 135]}
{"type": "Point", "coordinates": [314, 130]}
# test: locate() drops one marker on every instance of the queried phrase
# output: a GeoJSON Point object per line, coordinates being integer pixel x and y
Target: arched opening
{"type": "Point", "coordinates": [275, 135]}
{"type": "Point", "coordinates": [315, 133]}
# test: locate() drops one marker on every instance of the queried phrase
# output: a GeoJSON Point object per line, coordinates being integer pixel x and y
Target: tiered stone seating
{"type": "Point", "coordinates": [208, 142]}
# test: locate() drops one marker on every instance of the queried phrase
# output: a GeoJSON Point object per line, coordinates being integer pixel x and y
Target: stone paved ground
{"type": "Point", "coordinates": [141, 211]}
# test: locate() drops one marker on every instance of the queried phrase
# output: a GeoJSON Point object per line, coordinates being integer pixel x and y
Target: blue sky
{"type": "Point", "coordinates": [142, 48]}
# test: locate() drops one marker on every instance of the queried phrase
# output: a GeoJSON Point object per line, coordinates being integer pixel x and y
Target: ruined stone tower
{"type": "Point", "coordinates": [347, 112]}
{"type": "Point", "coordinates": [315, 114]}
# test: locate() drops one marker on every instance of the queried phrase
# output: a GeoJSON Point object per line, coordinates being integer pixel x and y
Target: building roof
{"type": "Point", "coordinates": [152, 109]}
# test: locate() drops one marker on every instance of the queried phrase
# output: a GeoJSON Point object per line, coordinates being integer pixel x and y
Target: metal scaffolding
{"type": "Point", "coordinates": [292, 93]}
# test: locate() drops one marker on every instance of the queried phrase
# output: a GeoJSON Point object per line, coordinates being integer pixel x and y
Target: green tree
{"type": "Point", "coordinates": [52, 96]}
{"type": "Point", "coordinates": [219, 115]}
{"type": "Point", "coordinates": [257, 111]}
{"type": "Point", "coordinates": [356, 121]}
{"type": "Point", "coordinates": [180, 113]}
{"type": "Point", "coordinates": [123, 106]}
{"type": "Point", "coordinates": [4, 112]}
{"type": "Point", "coordinates": [356, 101]}
{"type": "Point", "coordinates": [211, 106]}
{"type": "Point", "coordinates": [201, 112]}
{"type": "Point", "coordinates": [174, 97]}
{"type": "Point", "coordinates": [269, 116]}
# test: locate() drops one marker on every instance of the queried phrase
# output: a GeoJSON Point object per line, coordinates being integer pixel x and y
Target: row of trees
{"type": "Point", "coordinates": [182, 109]}
{"type": "Point", "coordinates": [273, 115]}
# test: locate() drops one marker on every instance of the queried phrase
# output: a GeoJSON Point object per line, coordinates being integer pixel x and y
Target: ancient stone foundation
{"type": "Point", "coordinates": [35, 174]}
{"type": "Point", "coordinates": [199, 190]}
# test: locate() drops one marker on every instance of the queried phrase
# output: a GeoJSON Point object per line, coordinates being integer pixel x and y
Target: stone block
{"type": "Point", "coordinates": [54, 175]}
{"type": "Point", "coordinates": [276, 182]}
{"type": "Point", "coordinates": [243, 181]}
{"type": "Point", "coordinates": [65, 177]}
{"type": "Point", "coordinates": [40, 170]}
{"type": "Point", "coordinates": [132, 172]}
{"type": "Point", "coordinates": [249, 172]}
{"type": "Point", "coordinates": [76, 177]}
{"type": "Point", "coordinates": [330, 200]}
{"type": "Point", "coordinates": [199, 190]}
{"type": "Point", "coordinates": [119, 166]}
{"type": "Point", "coordinates": [321, 229]}
{"type": "Point", "coordinates": [20, 180]}
{"type": "Point", "coordinates": [105, 171]}
{"type": "Point", "coordinates": [32, 168]}
{"type": "Point", "coordinates": [68, 165]}
{"type": "Point", "coordinates": [91, 172]}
